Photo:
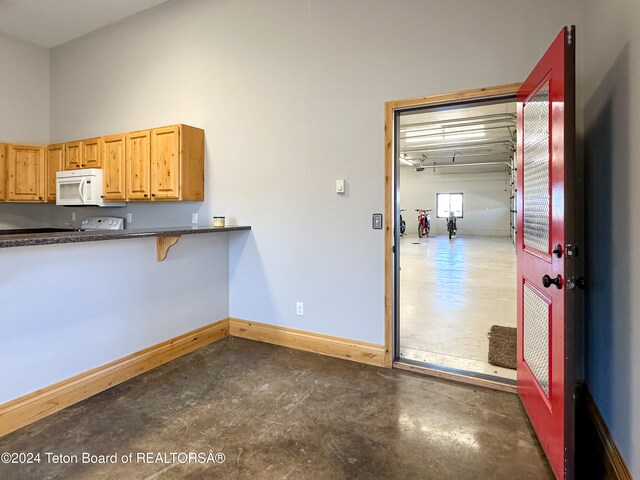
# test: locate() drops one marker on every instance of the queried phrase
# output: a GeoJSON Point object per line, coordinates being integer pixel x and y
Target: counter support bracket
{"type": "Point", "coordinates": [164, 243]}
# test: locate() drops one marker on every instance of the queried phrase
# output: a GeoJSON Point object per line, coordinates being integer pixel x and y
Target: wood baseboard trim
{"type": "Point", "coordinates": [31, 407]}
{"type": "Point", "coordinates": [34, 406]}
{"type": "Point", "coordinates": [456, 377]}
{"type": "Point", "coordinates": [363, 352]}
{"type": "Point", "coordinates": [612, 460]}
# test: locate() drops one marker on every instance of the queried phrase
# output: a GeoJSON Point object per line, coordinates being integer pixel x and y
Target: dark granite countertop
{"type": "Point", "coordinates": [50, 238]}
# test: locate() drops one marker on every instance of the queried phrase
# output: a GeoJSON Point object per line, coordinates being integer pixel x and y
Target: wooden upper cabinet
{"type": "Point", "coordinates": [73, 155]}
{"type": "Point", "coordinates": [113, 167]}
{"type": "Point", "coordinates": [165, 163]}
{"type": "Point", "coordinates": [55, 163]}
{"type": "Point", "coordinates": [91, 153]}
{"type": "Point", "coordinates": [177, 163]}
{"type": "Point", "coordinates": [26, 173]}
{"type": "Point", "coordinates": [138, 160]}
{"type": "Point", "coordinates": [160, 164]}
{"type": "Point", "coordinates": [3, 169]}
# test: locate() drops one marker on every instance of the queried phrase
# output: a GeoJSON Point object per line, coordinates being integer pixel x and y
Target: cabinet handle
{"type": "Point", "coordinates": [153, 194]}
{"type": "Point", "coordinates": [146, 195]}
{"type": "Point", "coordinates": [101, 196]}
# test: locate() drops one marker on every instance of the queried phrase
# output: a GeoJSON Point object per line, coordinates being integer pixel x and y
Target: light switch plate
{"type": "Point", "coordinates": [340, 185]}
{"type": "Point", "coordinates": [376, 221]}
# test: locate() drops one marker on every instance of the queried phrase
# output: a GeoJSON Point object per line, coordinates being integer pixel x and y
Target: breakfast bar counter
{"type": "Point", "coordinates": [71, 236]}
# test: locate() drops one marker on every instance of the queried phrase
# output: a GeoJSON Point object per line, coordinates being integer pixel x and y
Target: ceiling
{"type": "Point", "coordinates": [50, 23]}
{"type": "Point", "coordinates": [481, 136]}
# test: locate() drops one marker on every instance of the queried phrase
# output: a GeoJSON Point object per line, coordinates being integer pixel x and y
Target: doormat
{"type": "Point", "coordinates": [502, 347]}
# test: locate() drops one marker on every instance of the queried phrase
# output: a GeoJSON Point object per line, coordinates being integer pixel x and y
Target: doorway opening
{"type": "Point", "coordinates": [454, 284]}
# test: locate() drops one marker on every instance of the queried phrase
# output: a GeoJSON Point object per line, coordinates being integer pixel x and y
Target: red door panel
{"type": "Point", "coordinates": [544, 217]}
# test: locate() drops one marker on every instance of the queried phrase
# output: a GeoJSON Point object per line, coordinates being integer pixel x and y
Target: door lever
{"type": "Point", "coordinates": [547, 281]}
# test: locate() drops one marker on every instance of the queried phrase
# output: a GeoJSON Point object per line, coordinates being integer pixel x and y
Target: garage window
{"type": "Point", "coordinates": [449, 202]}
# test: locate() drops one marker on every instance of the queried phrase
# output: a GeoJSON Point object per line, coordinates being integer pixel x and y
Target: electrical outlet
{"type": "Point", "coordinates": [73, 216]}
{"type": "Point", "coordinates": [129, 217]}
{"type": "Point", "coordinates": [299, 308]}
{"type": "Point", "coordinates": [194, 218]}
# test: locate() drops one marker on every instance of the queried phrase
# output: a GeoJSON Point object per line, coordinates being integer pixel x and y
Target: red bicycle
{"type": "Point", "coordinates": [424, 222]}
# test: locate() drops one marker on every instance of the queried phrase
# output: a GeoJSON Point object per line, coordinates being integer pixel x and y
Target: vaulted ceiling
{"type": "Point", "coordinates": [50, 23]}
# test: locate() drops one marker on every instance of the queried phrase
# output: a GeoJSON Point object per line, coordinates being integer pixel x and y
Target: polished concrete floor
{"type": "Point", "coordinates": [281, 413]}
{"type": "Point", "coordinates": [451, 293]}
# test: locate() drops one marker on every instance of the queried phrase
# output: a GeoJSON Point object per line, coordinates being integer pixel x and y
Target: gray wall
{"type": "Point", "coordinates": [612, 150]}
{"type": "Point", "coordinates": [69, 308]}
{"type": "Point", "coordinates": [485, 200]}
{"type": "Point", "coordinates": [24, 114]}
{"type": "Point", "coordinates": [291, 95]}
{"type": "Point", "coordinates": [24, 82]}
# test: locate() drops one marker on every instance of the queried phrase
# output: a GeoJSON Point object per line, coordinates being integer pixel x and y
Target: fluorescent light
{"type": "Point", "coordinates": [442, 138]}
{"type": "Point", "coordinates": [415, 133]}
{"type": "Point", "coordinates": [459, 136]}
{"type": "Point", "coordinates": [406, 162]}
{"type": "Point", "coordinates": [424, 139]}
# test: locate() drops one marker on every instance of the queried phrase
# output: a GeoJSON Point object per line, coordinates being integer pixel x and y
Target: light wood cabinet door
{"type": "Point", "coordinates": [165, 163]}
{"type": "Point", "coordinates": [3, 172]}
{"type": "Point", "coordinates": [55, 163]}
{"type": "Point", "coordinates": [138, 155]}
{"type": "Point", "coordinates": [191, 163]}
{"type": "Point", "coordinates": [72, 155]}
{"type": "Point", "coordinates": [113, 167]}
{"type": "Point", "coordinates": [91, 153]}
{"type": "Point", "coordinates": [26, 170]}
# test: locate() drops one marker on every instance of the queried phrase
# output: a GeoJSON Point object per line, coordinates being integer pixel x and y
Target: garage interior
{"type": "Point", "coordinates": [452, 291]}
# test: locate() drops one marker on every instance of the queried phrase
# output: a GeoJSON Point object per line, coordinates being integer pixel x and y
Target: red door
{"type": "Point", "coordinates": [545, 251]}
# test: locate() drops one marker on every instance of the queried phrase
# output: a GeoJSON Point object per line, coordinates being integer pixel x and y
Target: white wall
{"type": "Point", "coordinates": [24, 114]}
{"type": "Point", "coordinates": [485, 200]}
{"type": "Point", "coordinates": [612, 150]}
{"type": "Point", "coordinates": [291, 95]}
{"type": "Point", "coordinates": [72, 307]}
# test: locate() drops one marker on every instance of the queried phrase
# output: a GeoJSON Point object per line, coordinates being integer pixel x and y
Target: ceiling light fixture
{"type": "Point", "coordinates": [442, 138]}
{"type": "Point", "coordinates": [403, 159]}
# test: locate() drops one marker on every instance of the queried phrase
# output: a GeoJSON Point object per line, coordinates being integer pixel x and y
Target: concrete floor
{"type": "Point", "coordinates": [451, 293]}
{"type": "Point", "coordinates": [281, 413]}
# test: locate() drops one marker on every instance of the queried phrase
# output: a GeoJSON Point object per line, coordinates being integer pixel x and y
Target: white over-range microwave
{"type": "Point", "coordinates": [77, 188]}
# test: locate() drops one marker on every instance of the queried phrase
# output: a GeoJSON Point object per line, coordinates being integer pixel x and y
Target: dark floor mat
{"type": "Point", "coordinates": [502, 347]}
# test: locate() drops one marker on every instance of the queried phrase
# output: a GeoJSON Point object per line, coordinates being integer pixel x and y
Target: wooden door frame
{"type": "Point", "coordinates": [391, 108]}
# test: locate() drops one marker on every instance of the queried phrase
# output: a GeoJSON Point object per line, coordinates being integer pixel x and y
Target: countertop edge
{"type": "Point", "coordinates": [35, 239]}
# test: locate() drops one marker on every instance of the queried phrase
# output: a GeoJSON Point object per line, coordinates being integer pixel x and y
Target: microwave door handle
{"type": "Point", "coordinates": [81, 190]}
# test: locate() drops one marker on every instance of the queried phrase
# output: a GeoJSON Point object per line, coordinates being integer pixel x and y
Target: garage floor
{"type": "Point", "coordinates": [281, 413]}
{"type": "Point", "coordinates": [451, 293]}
